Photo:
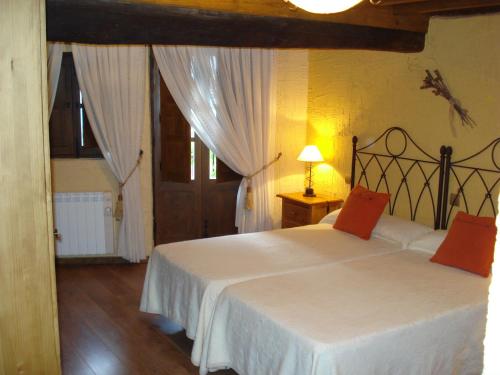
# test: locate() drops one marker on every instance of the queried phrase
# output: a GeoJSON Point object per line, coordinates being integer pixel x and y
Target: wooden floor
{"type": "Point", "coordinates": [103, 332]}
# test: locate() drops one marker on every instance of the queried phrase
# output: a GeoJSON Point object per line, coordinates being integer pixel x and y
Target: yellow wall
{"type": "Point", "coordinates": [362, 93]}
{"type": "Point", "coordinates": [79, 175]}
{"type": "Point", "coordinates": [291, 123]}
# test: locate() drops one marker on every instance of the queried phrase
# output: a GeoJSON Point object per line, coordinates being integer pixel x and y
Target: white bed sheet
{"type": "Point", "coordinates": [184, 279]}
{"type": "Point", "coordinates": [389, 314]}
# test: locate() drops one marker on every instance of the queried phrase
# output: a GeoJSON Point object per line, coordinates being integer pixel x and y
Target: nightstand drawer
{"type": "Point", "coordinates": [298, 210]}
{"type": "Point", "coordinates": [296, 213]}
{"type": "Point", "coordinates": [291, 224]}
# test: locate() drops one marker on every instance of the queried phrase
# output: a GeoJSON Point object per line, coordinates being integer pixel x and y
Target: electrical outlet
{"type": "Point", "coordinates": [455, 200]}
{"type": "Point", "coordinates": [348, 180]}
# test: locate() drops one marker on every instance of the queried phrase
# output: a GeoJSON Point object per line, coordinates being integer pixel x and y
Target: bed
{"type": "Point", "coordinates": [393, 313]}
{"type": "Point", "coordinates": [184, 279]}
{"type": "Point", "coordinates": [203, 285]}
{"type": "Point", "coordinates": [330, 320]}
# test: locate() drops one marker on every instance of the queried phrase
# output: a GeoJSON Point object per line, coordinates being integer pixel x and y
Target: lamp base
{"type": "Point", "coordinates": [309, 192]}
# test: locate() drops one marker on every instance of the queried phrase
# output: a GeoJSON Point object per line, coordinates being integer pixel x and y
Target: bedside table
{"type": "Point", "coordinates": [298, 210]}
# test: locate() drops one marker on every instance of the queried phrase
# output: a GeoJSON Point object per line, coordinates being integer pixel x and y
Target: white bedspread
{"type": "Point", "coordinates": [390, 314]}
{"type": "Point", "coordinates": [184, 279]}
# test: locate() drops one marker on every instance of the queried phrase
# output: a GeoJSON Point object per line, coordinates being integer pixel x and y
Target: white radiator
{"type": "Point", "coordinates": [84, 222]}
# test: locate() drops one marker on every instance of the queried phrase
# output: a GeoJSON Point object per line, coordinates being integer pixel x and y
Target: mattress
{"type": "Point", "coordinates": [184, 279]}
{"type": "Point", "coordinates": [390, 314]}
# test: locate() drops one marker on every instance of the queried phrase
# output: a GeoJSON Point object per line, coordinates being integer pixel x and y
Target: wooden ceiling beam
{"type": "Point", "coordinates": [382, 3]}
{"type": "Point", "coordinates": [438, 6]}
{"type": "Point", "coordinates": [363, 14]}
{"type": "Point", "coordinates": [467, 12]}
{"type": "Point", "coordinates": [103, 22]}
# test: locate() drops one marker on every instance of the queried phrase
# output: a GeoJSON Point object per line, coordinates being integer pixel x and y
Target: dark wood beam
{"type": "Point", "coordinates": [363, 14]}
{"type": "Point", "coordinates": [383, 3]}
{"type": "Point", "coordinates": [438, 6]}
{"type": "Point", "coordinates": [104, 22]}
{"type": "Point", "coordinates": [466, 12]}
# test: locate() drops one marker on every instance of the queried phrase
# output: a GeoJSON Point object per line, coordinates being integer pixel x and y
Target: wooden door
{"type": "Point", "coordinates": [194, 192]}
{"type": "Point", "coordinates": [220, 190]}
{"type": "Point", "coordinates": [177, 188]}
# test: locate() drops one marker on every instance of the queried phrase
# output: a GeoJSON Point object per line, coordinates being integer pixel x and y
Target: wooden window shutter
{"type": "Point", "coordinates": [226, 174]}
{"type": "Point", "coordinates": [90, 148]}
{"type": "Point", "coordinates": [62, 134]}
{"type": "Point", "coordinates": [175, 140]}
{"type": "Point", "coordinates": [65, 128]}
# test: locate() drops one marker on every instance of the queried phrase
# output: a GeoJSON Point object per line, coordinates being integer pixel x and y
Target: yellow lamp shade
{"type": "Point", "coordinates": [311, 154]}
{"type": "Point", "coordinates": [325, 6]}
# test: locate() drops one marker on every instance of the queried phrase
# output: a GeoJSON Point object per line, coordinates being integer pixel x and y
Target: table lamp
{"type": "Point", "coordinates": [310, 154]}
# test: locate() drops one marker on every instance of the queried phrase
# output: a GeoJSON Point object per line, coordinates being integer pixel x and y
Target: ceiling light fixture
{"type": "Point", "coordinates": [324, 6]}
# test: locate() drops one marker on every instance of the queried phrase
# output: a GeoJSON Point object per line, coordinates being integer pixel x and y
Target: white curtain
{"type": "Point", "coordinates": [113, 81]}
{"type": "Point", "coordinates": [228, 96]}
{"type": "Point", "coordinates": [54, 58]}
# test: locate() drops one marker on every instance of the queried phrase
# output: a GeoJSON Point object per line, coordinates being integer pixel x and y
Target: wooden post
{"type": "Point", "coordinates": [29, 342]}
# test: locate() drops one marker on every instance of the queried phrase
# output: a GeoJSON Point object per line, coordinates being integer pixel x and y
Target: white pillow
{"type": "Point", "coordinates": [330, 218]}
{"type": "Point", "coordinates": [430, 242]}
{"type": "Point", "coordinates": [399, 230]}
{"type": "Point", "coordinates": [390, 228]}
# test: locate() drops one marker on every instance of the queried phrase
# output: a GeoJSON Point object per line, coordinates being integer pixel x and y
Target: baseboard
{"type": "Point", "coordinates": [80, 261]}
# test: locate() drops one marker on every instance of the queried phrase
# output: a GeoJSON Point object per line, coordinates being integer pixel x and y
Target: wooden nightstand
{"type": "Point", "coordinates": [298, 210]}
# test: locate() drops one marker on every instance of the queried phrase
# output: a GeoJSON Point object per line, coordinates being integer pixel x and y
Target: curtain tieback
{"type": "Point", "coordinates": [249, 195]}
{"type": "Point", "coordinates": [119, 201]}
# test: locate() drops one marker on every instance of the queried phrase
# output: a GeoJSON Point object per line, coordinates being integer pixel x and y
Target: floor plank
{"type": "Point", "coordinates": [104, 333]}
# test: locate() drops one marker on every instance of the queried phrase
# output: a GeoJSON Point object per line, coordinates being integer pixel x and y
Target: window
{"type": "Point", "coordinates": [193, 155]}
{"type": "Point", "coordinates": [212, 160]}
{"type": "Point", "coordinates": [70, 132]}
{"type": "Point", "coordinates": [212, 166]}
{"type": "Point", "coordinates": [182, 152]}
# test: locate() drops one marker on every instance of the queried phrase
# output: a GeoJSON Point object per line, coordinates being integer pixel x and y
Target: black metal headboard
{"type": "Point", "coordinates": [473, 181]}
{"type": "Point", "coordinates": [409, 174]}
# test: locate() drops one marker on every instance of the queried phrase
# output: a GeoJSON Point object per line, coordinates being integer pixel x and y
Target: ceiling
{"type": "Point", "coordinates": [392, 25]}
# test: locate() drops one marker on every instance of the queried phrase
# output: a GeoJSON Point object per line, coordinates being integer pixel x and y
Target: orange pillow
{"type": "Point", "coordinates": [361, 212]}
{"type": "Point", "coordinates": [469, 245]}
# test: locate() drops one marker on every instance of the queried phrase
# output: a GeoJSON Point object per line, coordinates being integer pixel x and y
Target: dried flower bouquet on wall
{"type": "Point", "coordinates": [439, 88]}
